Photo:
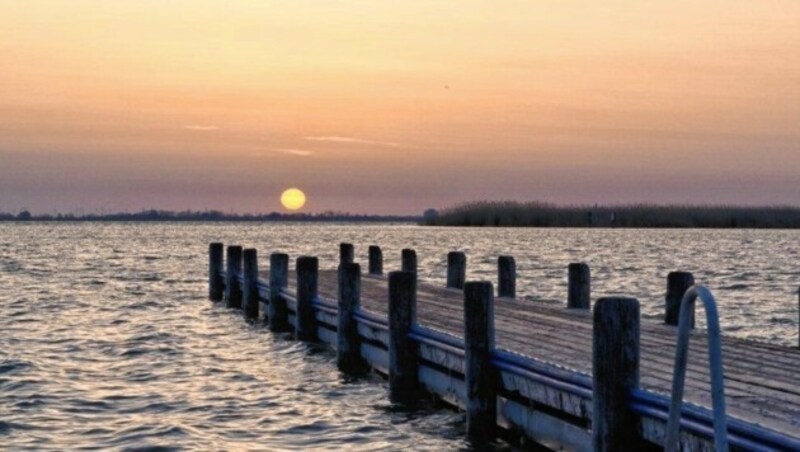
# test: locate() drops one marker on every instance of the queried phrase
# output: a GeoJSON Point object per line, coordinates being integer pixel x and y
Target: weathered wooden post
{"type": "Point", "coordinates": [233, 290]}
{"type": "Point", "coordinates": [346, 253]}
{"type": "Point", "coordinates": [798, 318]}
{"type": "Point", "coordinates": [456, 269]}
{"type": "Point", "coordinates": [579, 292]}
{"type": "Point", "coordinates": [478, 373]}
{"type": "Point", "coordinates": [250, 296]}
{"type": "Point", "coordinates": [277, 312]}
{"type": "Point", "coordinates": [677, 285]}
{"type": "Point", "coordinates": [375, 260]}
{"type": "Point", "coordinates": [408, 260]}
{"type": "Point", "coordinates": [615, 373]}
{"type": "Point", "coordinates": [307, 279]}
{"type": "Point", "coordinates": [403, 353]}
{"type": "Point", "coordinates": [506, 277]}
{"type": "Point", "coordinates": [348, 350]}
{"type": "Point", "coordinates": [216, 284]}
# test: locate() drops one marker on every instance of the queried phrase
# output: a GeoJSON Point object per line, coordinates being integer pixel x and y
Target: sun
{"type": "Point", "coordinates": [293, 199]}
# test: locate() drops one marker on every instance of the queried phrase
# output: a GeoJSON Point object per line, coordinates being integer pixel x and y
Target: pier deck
{"type": "Point", "coordinates": [760, 379]}
{"type": "Point", "coordinates": [526, 365]}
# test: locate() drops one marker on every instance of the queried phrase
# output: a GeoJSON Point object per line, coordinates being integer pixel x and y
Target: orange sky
{"type": "Point", "coordinates": [373, 106]}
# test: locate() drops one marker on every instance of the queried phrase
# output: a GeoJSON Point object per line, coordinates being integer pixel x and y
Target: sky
{"type": "Point", "coordinates": [394, 107]}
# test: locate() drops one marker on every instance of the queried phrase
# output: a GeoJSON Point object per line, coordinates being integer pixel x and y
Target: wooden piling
{"type": "Point", "coordinates": [307, 281]}
{"type": "Point", "coordinates": [346, 253]}
{"type": "Point", "coordinates": [478, 372]}
{"type": "Point", "coordinates": [348, 349]}
{"type": "Point", "coordinates": [233, 290]}
{"type": "Point", "coordinates": [579, 292]}
{"type": "Point", "coordinates": [277, 312]}
{"type": "Point", "coordinates": [543, 402]}
{"type": "Point", "coordinates": [615, 373]}
{"type": "Point", "coordinates": [456, 269]}
{"type": "Point", "coordinates": [408, 260]}
{"type": "Point", "coordinates": [403, 352]}
{"type": "Point", "coordinates": [375, 260]}
{"type": "Point", "coordinates": [216, 284]}
{"type": "Point", "coordinates": [506, 277]}
{"type": "Point", "coordinates": [677, 285]}
{"type": "Point", "coordinates": [250, 296]}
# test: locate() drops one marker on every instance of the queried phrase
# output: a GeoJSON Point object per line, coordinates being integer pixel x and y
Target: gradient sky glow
{"type": "Point", "coordinates": [392, 107]}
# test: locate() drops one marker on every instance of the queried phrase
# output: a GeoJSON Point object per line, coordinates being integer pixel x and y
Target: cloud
{"type": "Point", "coordinates": [352, 140]}
{"type": "Point", "coordinates": [288, 151]}
{"type": "Point", "coordinates": [201, 128]}
{"type": "Point", "coordinates": [297, 152]}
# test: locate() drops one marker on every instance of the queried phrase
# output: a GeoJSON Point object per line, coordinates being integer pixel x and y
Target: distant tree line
{"type": "Point", "coordinates": [209, 215]}
{"type": "Point", "coordinates": [538, 214]}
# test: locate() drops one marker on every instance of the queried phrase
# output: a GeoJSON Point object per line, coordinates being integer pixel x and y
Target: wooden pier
{"type": "Point", "coordinates": [572, 378]}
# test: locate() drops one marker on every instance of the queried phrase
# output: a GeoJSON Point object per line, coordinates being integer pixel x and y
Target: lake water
{"type": "Point", "coordinates": [108, 340]}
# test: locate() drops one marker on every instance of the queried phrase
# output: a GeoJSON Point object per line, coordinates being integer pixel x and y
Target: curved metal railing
{"type": "Point", "coordinates": [715, 363]}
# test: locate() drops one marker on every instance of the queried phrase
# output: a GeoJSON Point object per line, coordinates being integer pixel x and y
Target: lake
{"type": "Point", "coordinates": [109, 340]}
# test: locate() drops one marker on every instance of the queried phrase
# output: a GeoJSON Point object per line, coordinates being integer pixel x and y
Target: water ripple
{"type": "Point", "coordinates": [109, 343]}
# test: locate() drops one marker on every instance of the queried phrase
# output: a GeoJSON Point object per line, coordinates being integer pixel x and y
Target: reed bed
{"type": "Point", "coordinates": [539, 214]}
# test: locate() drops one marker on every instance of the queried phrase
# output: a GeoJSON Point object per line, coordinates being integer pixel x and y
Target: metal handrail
{"type": "Point", "coordinates": [715, 363]}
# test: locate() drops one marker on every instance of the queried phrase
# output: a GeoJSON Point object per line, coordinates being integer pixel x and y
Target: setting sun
{"type": "Point", "coordinates": [293, 199]}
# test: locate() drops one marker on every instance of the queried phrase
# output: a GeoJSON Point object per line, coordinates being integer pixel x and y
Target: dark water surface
{"type": "Point", "coordinates": [107, 339]}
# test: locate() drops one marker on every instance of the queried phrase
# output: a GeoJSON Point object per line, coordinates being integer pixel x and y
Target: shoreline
{"type": "Point", "coordinates": [649, 216]}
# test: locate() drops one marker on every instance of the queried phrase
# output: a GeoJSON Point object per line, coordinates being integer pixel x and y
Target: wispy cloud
{"type": "Point", "coordinates": [201, 128]}
{"type": "Point", "coordinates": [288, 151]}
{"type": "Point", "coordinates": [297, 152]}
{"type": "Point", "coordinates": [352, 140]}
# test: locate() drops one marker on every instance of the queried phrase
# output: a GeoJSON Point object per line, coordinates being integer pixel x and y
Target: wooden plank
{"type": "Point", "coordinates": [546, 430]}
{"type": "Point", "coordinates": [327, 336]}
{"type": "Point", "coordinates": [524, 322]}
{"type": "Point", "coordinates": [585, 339]}
{"type": "Point", "coordinates": [327, 319]}
{"type": "Point", "coordinates": [442, 358]}
{"type": "Point", "coordinates": [667, 359]}
{"type": "Point", "coordinates": [374, 335]}
{"type": "Point", "coordinates": [585, 350]}
{"type": "Point", "coordinates": [376, 357]}
{"type": "Point", "coordinates": [571, 404]}
{"type": "Point", "coordinates": [662, 352]}
{"type": "Point", "coordinates": [450, 388]}
{"type": "Point", "coordinates": [655, 431]}
{"type": "Point", "coordinates": [583, 355]}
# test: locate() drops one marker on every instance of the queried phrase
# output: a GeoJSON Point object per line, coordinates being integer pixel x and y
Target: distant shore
{"type": "Point", "coordinates": [190, 216]}
{"type": "Point", "coordinates": [486, 214]}
{"type": "Point", "coordinates": [536, 214]}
